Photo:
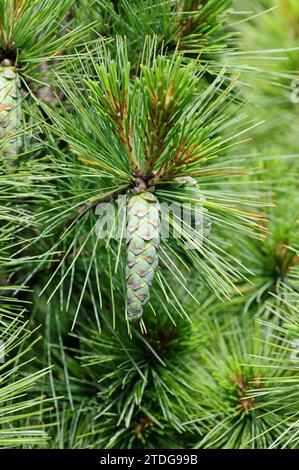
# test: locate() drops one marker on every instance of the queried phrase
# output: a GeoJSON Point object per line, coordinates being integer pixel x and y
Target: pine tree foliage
{"type": "Point", "coordinates": [138, 135]}
{"type": "Point", "coordinates": [192, 27]}
{"type": "Point", "coordinates": [241, 415]}
{"type": "Point", "coordinates": [32, 34]}
{"type": "Point", "coordinates": [23, 408]}
{"type": "Point", "coordinates": [275, 72]}
{"type": "Point", "coordinates": [114, 111]}
{"type": "Point", "coordinates": [282, 393]}
{"type": "Point", "coordinates": [130, 386]}
{"type": "Point", "coordinates": [275, 261]}
{"type": "Point", "coordinates": [21, 415]}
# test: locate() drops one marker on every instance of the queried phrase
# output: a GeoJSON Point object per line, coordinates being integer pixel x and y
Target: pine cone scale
{"type": "Point", "coordinates": [10, 112]}
{"type": "Point", "coordinates": [143, 240]}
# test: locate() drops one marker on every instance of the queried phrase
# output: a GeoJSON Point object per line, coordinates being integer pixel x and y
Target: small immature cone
{"type": "Point", "coordinates": [143, 241]}
{"type": "Point", "coordinates": [10, 113]}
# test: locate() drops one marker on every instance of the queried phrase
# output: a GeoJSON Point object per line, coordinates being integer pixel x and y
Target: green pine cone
{"type": "Point", "coordinates": [191, 184]}
{"type": "Point", "coordinates": [10, 113]}
{"type": "Point", "coordinates": [143, 240]}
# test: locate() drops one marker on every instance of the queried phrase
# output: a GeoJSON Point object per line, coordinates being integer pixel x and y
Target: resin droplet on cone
{"type": "Point", "coordinates": [143, 241]}
{"type": "Point", "coordinates": [10, 113]}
